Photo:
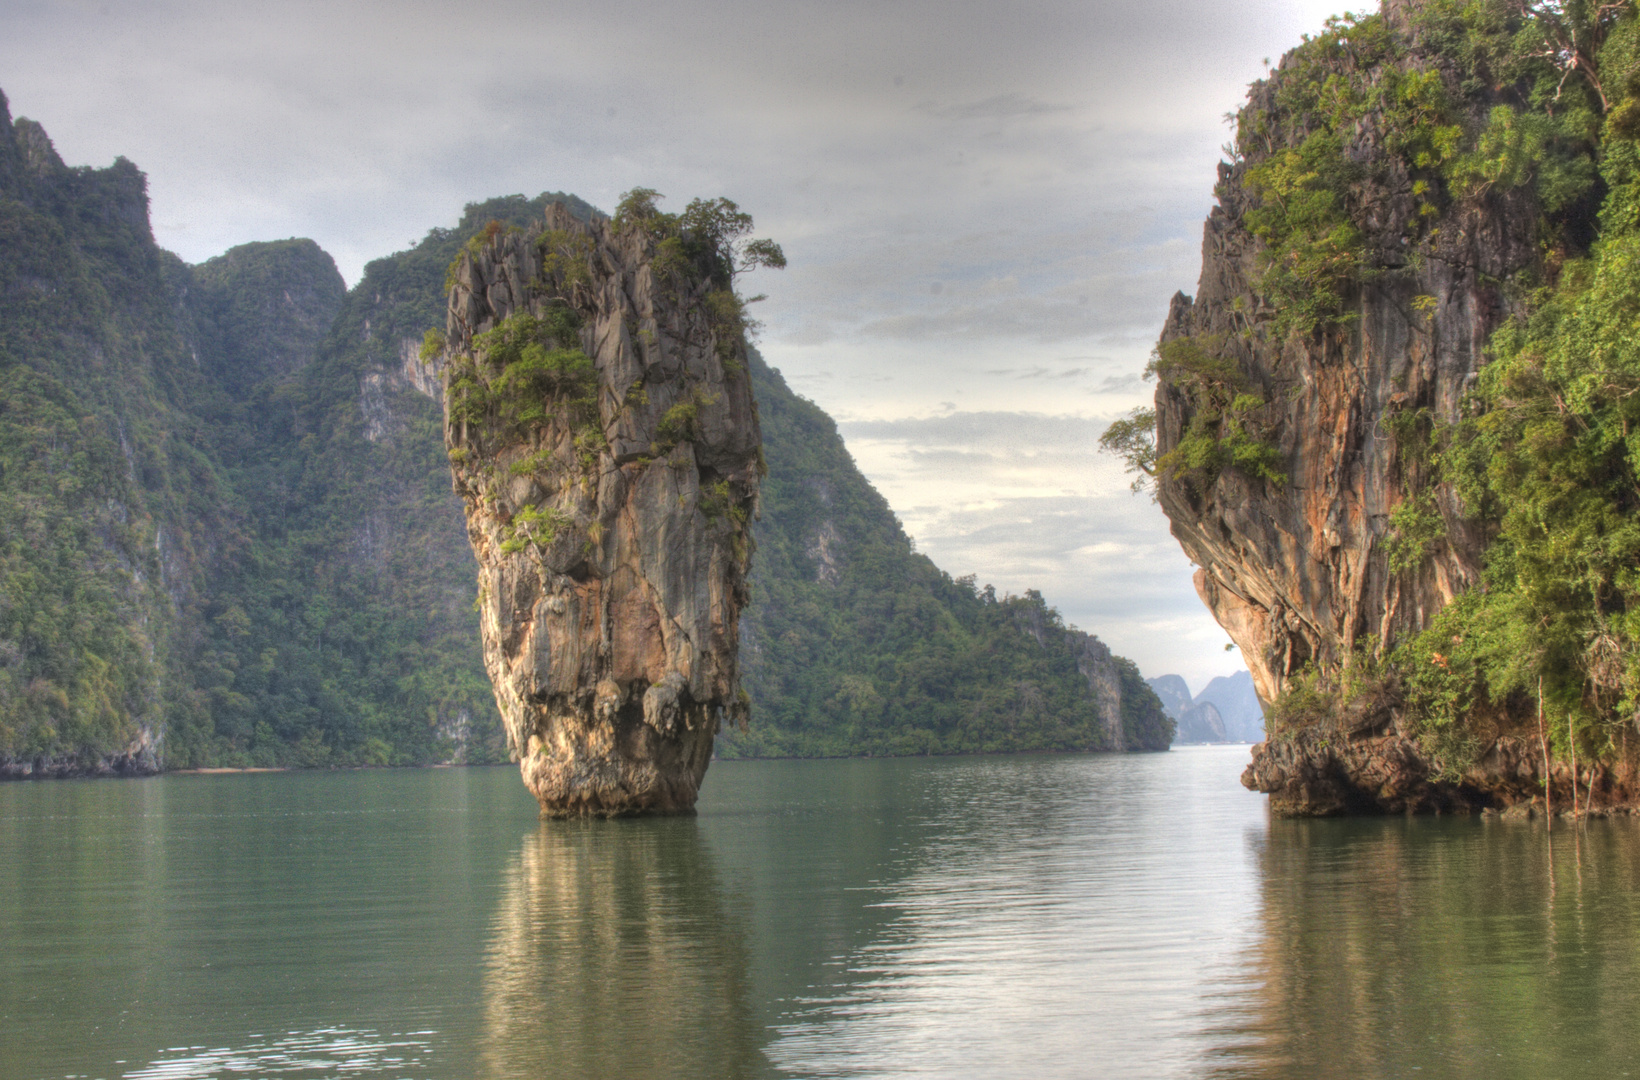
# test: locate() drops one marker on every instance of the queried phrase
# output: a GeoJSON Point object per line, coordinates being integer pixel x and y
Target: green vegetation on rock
{"type": "Point", "coordinates": [1550, 459]}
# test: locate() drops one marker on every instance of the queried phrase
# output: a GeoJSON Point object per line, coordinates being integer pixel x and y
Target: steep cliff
{"type": "Point", "coordinates": [1295, 563]}
{"type": "Point", "coordinates": [109, 520]}
{"type": "Point", "coordinates": [1400, 186]}
{"type": "Point", "coordinates": [605, 444]}
{"type": "Point", "coordinates": [1236, 702]}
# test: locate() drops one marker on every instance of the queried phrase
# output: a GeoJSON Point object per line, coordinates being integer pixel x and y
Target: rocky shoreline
{"type": "Point", "coordinates": [1325, 772]}
{"type": "Point", "coordinates": [66, 767]}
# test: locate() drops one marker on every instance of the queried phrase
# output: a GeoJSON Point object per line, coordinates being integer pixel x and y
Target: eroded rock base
{"type": "Point", "coordinates": [618, 767]}
{"type": "Point", "coordinates": [1322, 773]}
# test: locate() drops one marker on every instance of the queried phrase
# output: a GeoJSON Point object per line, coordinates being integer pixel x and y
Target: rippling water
{"type": "Point", "coordinates": [1056, 916]}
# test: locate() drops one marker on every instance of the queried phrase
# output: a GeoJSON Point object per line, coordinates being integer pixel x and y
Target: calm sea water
{"type": "Point", "coordinates": [1063, 916]}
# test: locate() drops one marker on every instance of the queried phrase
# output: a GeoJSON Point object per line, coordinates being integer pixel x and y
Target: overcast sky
{"type": "Point", "coordinates": [986, 206]}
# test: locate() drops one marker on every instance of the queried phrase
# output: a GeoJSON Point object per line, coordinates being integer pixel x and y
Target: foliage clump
{"type": "Point", "coordinates": [1550, 459]}
{"type": "Point", "coordinates": [475, 244]}
{"type": "Point", "coordinates": [1545, 457]}
{"type": "Point", "coordinates": [527, 370]}
{"type": "Point", "coordinates": [1228, 426]}
{"type": "Point", "coordinates": [709, 244]}
{"type": "Point", "coordinates": [566, 259]}
{"type": "Point", "coordinates": [534, 527]}
{"type": "Point", "coordinates": [1497, 98]}
{"type": "Point", "coordinates": [1356, 691]}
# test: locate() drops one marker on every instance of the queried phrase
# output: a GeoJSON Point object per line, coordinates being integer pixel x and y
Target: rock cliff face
{"type": "Point", "coordinates": [605, 444]}
{"type": "Point", "coordinates": [1368, 766]}
{"type": "Point", "coordinates": [1298, 568]}
{"type": "Point", "coordinates": [1201, 722]}
{"type": "Point", "coordinates": [1226, 710]}
{"type": "Point", "coordinates": [1095, 663]}
{"type": "Point", "coordinates": [1236, 702]}
{"type": "Point", "coordinates": [1299, 571]}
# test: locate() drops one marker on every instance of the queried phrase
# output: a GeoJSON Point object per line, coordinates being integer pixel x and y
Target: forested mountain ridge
{"type": "Point", "coordinates": [855, 644]}
{"type": "Point", "coordinates": [227, 532]}
{"type": "Point", "coordinates": [1396, 425]}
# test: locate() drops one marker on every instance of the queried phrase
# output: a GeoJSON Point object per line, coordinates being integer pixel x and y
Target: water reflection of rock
{"type": "Point", "coordinates": [615, 953]}
{"type": "Point", "coordinates": [1457, 948]}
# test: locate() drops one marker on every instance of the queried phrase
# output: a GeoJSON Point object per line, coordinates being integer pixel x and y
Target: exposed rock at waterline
{"type": "Point", "coordinates": [1321, 772]}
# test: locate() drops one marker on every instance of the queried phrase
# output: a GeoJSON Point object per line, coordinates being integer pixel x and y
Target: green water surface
{"type": "Point", "coordinates": [1037, 916]}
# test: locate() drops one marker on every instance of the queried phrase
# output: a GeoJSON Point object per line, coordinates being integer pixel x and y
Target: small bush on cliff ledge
{"type": "Point", "coordinates": [474, 245]}
{"type": "Point", "coordinates": [527, 369]}
{"type": "Point", "coordinates": [536, 526]}
{"type": "Point", "coordinates": [711, 241]}
{"type": "Point", "coordinates": [1227, 426]}
{"type": "Point", "coordinates": [1133, 439]}
{"type": "Point", "coordinates": [1312, 250]}
{"type": "Point", "coordinates": [1356, 694]}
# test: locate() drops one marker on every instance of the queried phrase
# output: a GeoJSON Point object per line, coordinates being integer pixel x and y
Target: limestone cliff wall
{"type": "Point", "coordinates": [613, 547]}
{"type": "Point", "coordinates": [1297, 565]}
{"type": "Point", "coordinates": [1096, 664]}
{"type": "Point", "coordinates": [1299, 571]}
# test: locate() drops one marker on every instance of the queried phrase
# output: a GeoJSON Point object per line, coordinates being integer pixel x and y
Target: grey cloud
{"type": "Point", "coordinates": [334, 119]}
{"type": "Point", "coordinates": [1116, 384]}
{"type": "Point", "coordinates": [995, 431]}
{"type": "Point", "coordinates": [998, 107]}
{"type": "Point", "coordinates": [1041, 373]}
{"type": "Point", "coordinates": [949, 459]}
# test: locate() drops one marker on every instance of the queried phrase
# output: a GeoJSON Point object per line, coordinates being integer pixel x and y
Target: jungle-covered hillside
{"type": "Point", "coordinates": [228, 537]}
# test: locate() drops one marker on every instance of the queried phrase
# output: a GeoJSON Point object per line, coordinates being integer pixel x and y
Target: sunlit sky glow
{"type": "Point", "coordinates": [986, 206]}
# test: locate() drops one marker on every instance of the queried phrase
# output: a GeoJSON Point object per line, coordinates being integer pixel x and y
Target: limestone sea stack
{"type": "Point", "coordinates": [604, 441]}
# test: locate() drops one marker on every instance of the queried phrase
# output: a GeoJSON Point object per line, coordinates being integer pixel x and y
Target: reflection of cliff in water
{"type": "Point", "coordinates": [1445, 948]}
{"type": "Point", "coordinates": [615, 954]}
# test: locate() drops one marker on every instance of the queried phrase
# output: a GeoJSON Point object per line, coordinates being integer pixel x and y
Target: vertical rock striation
{"type": "Point", "coordinates": [1096, 663]}
{"type": "Point", "coordinates": [605, 444]}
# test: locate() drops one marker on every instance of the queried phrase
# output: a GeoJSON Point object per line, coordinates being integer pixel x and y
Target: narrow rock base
{"type": "Point", "coordinates": [621, 767]}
